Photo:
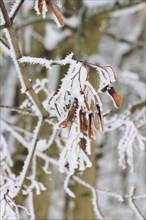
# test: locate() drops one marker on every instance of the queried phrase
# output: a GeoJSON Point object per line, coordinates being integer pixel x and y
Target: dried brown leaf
{"type": "Point", "coordinates": [83, 122]}
{"type": "Point", "coordinates": [40, 6]}
{"type": "Point", "coordinates": [96, 121]}
{"type": "Point", "coordinates": [71, 115]}
{"type": "Point", "coordinates": [117, 98]}
{"type": "Point", "coordinates": [56, 12]}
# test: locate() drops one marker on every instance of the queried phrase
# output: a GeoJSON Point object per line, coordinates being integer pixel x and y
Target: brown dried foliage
{"type": "Point", "coordinates": [49, 5]}
{"type": "Point", "coordinates": [71, 115]}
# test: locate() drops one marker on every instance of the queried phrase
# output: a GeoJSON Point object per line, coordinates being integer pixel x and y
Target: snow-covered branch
{"type": "Point", "coordinates": [28, 161]}
{"type": "Point", "coordinates": [15, 54]}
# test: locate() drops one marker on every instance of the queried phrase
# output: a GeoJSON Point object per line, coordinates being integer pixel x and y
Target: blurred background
{"type": "Point", "coordinates": [103, 32]}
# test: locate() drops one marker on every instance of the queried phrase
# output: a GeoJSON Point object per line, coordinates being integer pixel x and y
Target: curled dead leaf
{"type": "Point", "coordinates": [56, 12]}
{"type": "Point", "coordinates": [71, 115]}
{"type": "Point", "coordinates": [117, 98]}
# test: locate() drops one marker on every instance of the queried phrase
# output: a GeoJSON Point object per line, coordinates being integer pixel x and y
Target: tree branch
{"type": "Point", "coordinates": [16, 11]}
{"type": "Point", "coordinates": [4, 43]}
{"type": "Point", "coordinates": [118, 5]}
{"type": "Point", "coordinates": [137, 106]}
{"type": "Point", "coordinates": [139, 44]}
{"type": "Point", "coordinates": [21, 69]}
{"type": "Point", "coordinates": [33, 21]}
{"type": "Point", "coordinates": [18, 110]}
{"type": "Point", "coordinates": [3, 26]}
{"type": "Point", "coordinates": [29, 158]}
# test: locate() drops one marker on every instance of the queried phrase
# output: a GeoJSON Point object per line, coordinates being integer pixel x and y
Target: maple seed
{"type": "Point", "coordinates": [83, 122]}
{"type": "Point", "coordinates": [40, 6]}
{"type": "Point", "coordinates": [71, 115]}
{"type": "Point", "coordinates": [116, 96]}
{"type": "Point", "coordinates": [90, 131]}
{"type": "Point", "coordinates": [56, 12]}
{"type": "Point", "coordinates": [96, 121]}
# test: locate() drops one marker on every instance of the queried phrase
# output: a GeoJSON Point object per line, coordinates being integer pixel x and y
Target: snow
{"type": "Point", "coordinates": [72, 21]}
{"type": "Point", "coordinates": [53, 36]}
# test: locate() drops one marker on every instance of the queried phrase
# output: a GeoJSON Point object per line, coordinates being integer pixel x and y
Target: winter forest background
{"type": "Point", "coordinates": [72, 109]}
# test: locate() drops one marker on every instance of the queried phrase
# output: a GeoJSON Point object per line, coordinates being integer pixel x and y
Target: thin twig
{"type": "Point", "coordinates": [29, 158]}
{"type": "Point", "coordinates": [16, 11]}
{"type": "Point", "coordinates": [3, 26]}
{"type": "Point", "coordinates": [133, 205]}
{"type": "Point", "coordinates": [18, 110]}
{"type": "Point", "coordinates": [118, 5]}
{"type": "Point", "coordinates": [137, 106]}
{"type": "Point", "coordinates": [11, 127]}
{"type": "Point", "coordinates": [6, 25]}
{"type": "Point", "coordinates": [4, 43]}
{"type": "Point", "coordinates": [32, 21]}
{"type": "Point", "coordinates": [15, 134]}
{"type": "Point", "coordinates": [139, 44]}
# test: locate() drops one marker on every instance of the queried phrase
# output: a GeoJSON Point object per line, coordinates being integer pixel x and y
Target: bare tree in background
{"type": "Point", "coordinates": [72, 145]}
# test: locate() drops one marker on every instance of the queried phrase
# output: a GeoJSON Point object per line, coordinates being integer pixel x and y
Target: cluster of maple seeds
{"type": "Point", "coordinates": [87, 120]}
{"type": "Point", "coordinates": [90, 120]}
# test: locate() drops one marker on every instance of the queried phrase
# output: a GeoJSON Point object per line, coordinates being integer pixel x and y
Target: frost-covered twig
{"type": "Point", "coordinates": [17, 109]}
{"type": "Point", "coordinates": [44, 62]}
{"type": "Point", "coordinates": [15, 134]}
{"type": "Point", "coordinates": [4, 43]}
{"type": "Point", "coordinates": [15, 9]}
{"type": "Point", "coordinates": [66, 188]}
{"type": "Point", "coordinates": [138, 44]}
{"type": "Point", "coordinates": [29, 158]}
{"type": "Point", "coordinates": [13, 12]}
{"type": "Point", "coordinates": [133, 205]}
{"type": "Point", "coordinates": [115, 195]}
{"type": "Point", "coordinates": [31, 205]}
{"type": "Point", "coordinates": [126, 145]}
